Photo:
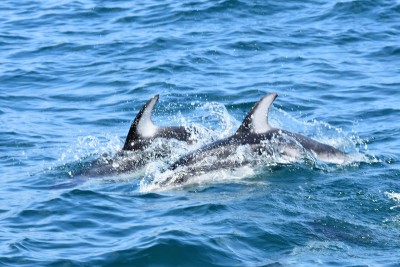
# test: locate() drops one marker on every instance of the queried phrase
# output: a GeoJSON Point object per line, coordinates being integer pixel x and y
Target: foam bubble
{"type": "Point", "coordinates": [217, 176]}
{"type": "Point", "coordinates": [395, 197]}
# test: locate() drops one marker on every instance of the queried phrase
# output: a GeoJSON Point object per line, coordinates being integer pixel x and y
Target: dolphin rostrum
{"type": "Point", "coordinates": [256, 132]}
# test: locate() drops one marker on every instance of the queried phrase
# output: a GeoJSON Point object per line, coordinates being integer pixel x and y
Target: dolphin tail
{"type": "Point", "coordinates": [256, 121]}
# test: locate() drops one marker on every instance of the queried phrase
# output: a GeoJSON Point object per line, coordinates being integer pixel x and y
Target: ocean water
{"type": "Point", "coordinates": [73, 75]}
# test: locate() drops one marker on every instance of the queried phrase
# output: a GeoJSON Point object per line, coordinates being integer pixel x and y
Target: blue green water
{"type": "Point", "coordinates": [73, 74]}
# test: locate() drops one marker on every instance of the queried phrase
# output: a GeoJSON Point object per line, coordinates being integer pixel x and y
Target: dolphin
{"type": "Point", "coordinates": [255, 132]}
{"type": "Point", "coordinates": [142, 133]}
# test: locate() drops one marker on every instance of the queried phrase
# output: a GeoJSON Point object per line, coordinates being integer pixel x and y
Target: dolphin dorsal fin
{"type": "Point", "coordinates": [142, 126]}
{"type": "Point", "coordinates": [256, 121]}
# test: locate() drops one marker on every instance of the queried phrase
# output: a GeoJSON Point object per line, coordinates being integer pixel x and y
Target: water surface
{"type": "Point", "coordinates": [73, 75]}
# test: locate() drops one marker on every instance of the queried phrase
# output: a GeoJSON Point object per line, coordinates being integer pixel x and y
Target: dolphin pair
{"type": "Point", "coordinates": [255, 132]}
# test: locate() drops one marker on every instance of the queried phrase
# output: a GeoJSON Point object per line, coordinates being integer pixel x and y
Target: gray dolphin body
{"type": "Point", "coordinates": [256, 132]}
{"type": "Point", "coordinates": [142, 134]}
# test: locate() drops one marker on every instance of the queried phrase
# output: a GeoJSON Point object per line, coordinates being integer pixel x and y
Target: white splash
{"type": "Point", "coordinates": [393, 196]}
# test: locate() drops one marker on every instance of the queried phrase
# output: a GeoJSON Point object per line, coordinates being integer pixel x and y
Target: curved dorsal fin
{"type": "Point", "coordinates": [142, 126]}
{"type": "Point", "coordinates": [256, 120]}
